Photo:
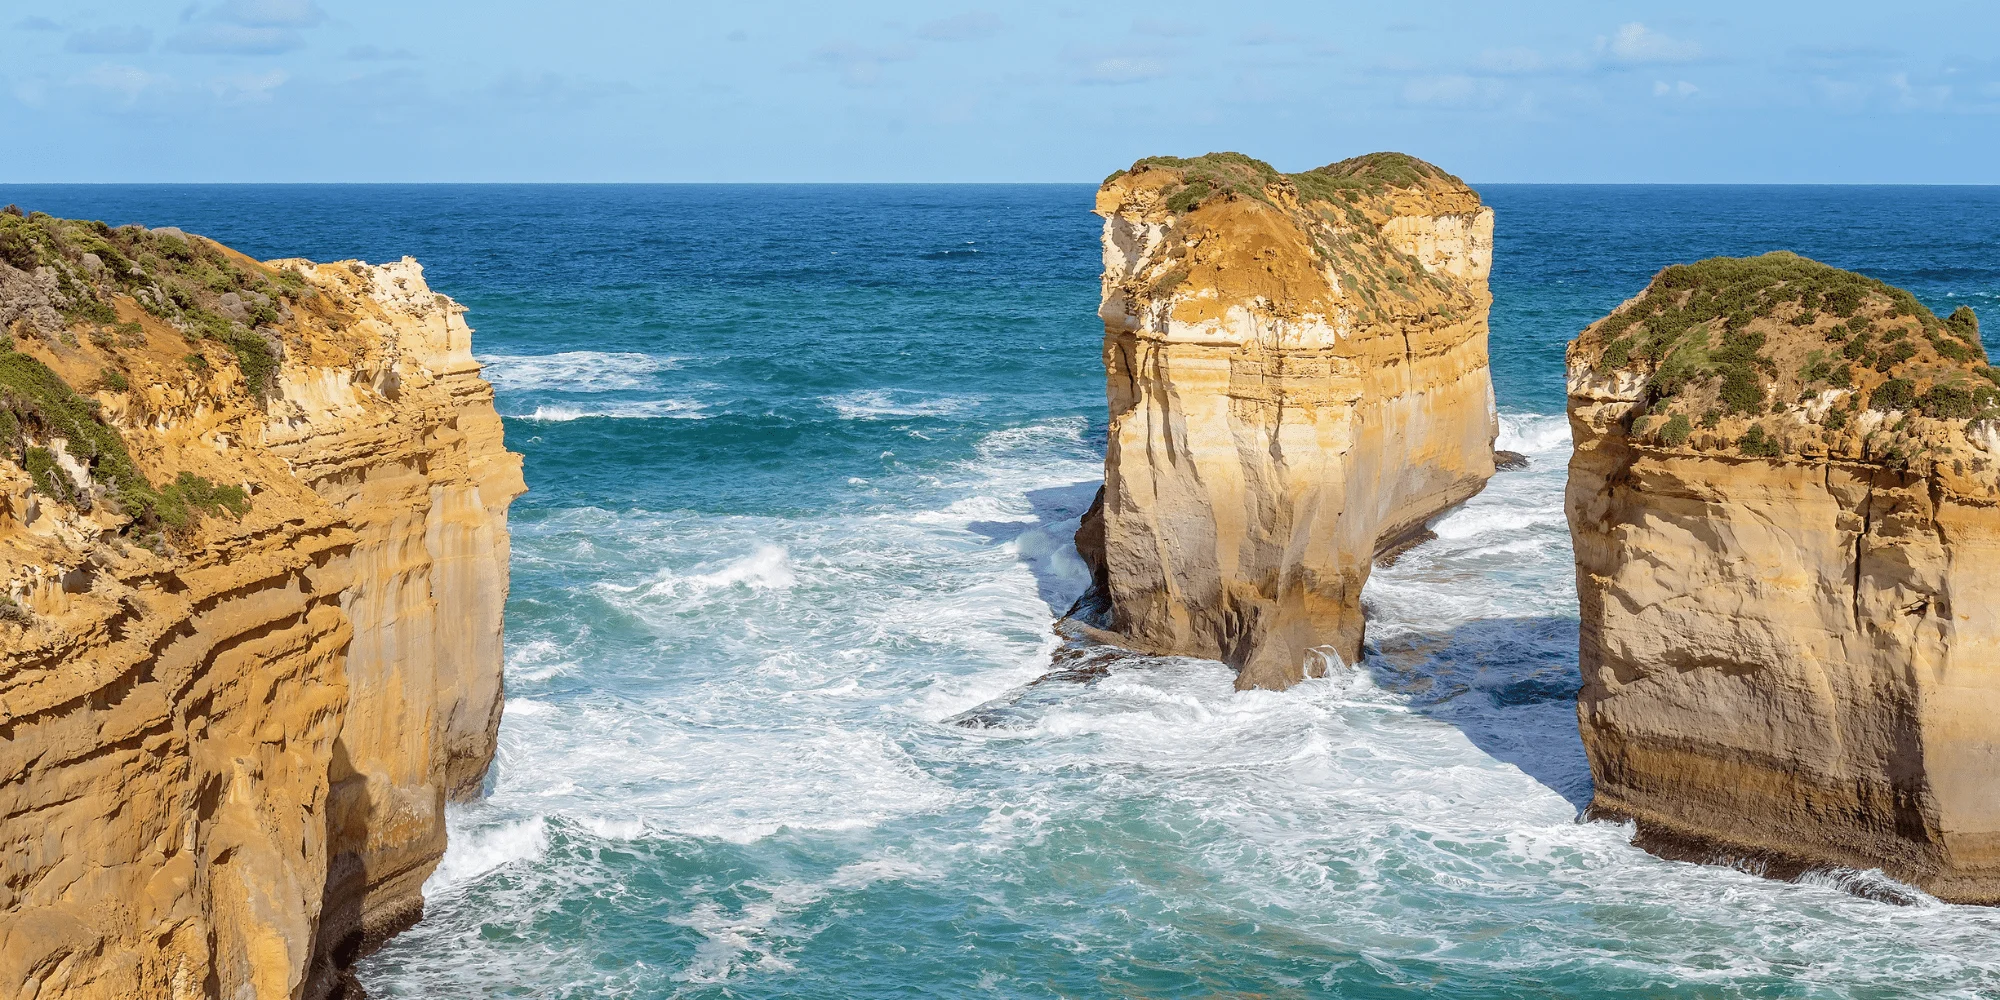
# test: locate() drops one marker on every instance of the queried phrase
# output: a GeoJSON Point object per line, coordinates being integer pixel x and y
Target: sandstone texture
{"type": "Point", "coordinates": [253, 556]}
{"type": "Point", "coordinates": [1784, 502]}
{"type": "Point", "coordinates": [1297, 377]}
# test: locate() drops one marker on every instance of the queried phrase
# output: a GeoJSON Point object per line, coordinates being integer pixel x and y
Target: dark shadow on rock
{"type": "Point", "coordinates": [1508, 684]}
{"type": "Point", "coordinates": [1057, 574]}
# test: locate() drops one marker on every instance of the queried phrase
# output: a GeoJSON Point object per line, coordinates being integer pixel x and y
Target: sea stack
{"type": "Point", "coordinates": [1297, 377]}
{"type": "Point", "coordinates": [1787, 522]}
{"type": "Point", "coordinates": [253, 558]}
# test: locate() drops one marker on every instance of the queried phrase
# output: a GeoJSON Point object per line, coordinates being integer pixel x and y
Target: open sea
{"type": "Point", "coordinates": [804, 465]}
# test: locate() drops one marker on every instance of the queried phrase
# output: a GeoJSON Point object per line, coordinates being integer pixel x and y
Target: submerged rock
{"type": "Point", "coordinates": [1297, 376]}
{"type": "Point", "coordinates": [1787, 524]}
{"type": "Point", "coordinates": [250, 637]}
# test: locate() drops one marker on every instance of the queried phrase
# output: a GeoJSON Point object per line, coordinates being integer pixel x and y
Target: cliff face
{"type": "Point", "coordinates": [1297, 376]}
{"type": "Point", "coordinates": [253, 541]}
{"type": "Point", "coordinates": [1783, 498]}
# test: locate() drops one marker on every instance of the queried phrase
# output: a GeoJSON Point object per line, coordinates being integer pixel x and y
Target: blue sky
{"type": "Point", "coordinates": [505, 90]}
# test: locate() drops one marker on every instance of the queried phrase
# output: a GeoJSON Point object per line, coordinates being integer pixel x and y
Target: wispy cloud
{"type": "Point", "coordinates": [269, 13]}
{"type": "Point", "coordinates": [1639, 45]}
{"type": "Point", "coordinates": [1910, 96]}
{"type": "Point", "coordinates": [860, 65]}
{"type": "Point", "coordinates": [248, 88]}
{"type": "Point", "coordinates": [1121, 69]}
{"type": "Point", "coordinates": [1511, 60]}
{"type": "Point", "coordinates": [1683, 89]}
{"type": "Point", "coordinates": [36, 24]}
{"type": "Point", "coordinates": [969, 26]}
{"type": "Point", "coordinates": [126, 84]}
{"type": "Point", "coordinates": [236, 39]}
{"type": "Point", "coordinates": [1158, 28]}
{"type": "Point", "coordinates": [1454, 91]}
{"type": "Point", "coordinates": [376, 53]}
{"type": "Point", "coordinates": [247, 27]}
{"type": "Point", "coordinates": [108, 41]}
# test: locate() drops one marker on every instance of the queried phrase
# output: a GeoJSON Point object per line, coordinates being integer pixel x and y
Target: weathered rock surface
{"type": "Point", "coordinates": [1297, 376]}
{"type": "Point", "coordinates": [229, 721]}
{"type": "Point", "coordinates": [1787, 523]}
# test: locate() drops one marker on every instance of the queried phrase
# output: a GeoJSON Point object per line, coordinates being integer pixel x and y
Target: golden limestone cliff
{"type": "Point", "coordinates": [1297, 376]}
{"type": "Point", "coordinates": [253, 555]}
{"type": "Point", "coordinates": [1784, 501]}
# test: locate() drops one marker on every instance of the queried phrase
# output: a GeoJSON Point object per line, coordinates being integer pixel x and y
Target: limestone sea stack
{"type": "Point", "coordinates": [253, 557]}
{"type": "Point", "coordinates": [1297, 376]}
{"type": "Point", "coordinates": [1785, 498]}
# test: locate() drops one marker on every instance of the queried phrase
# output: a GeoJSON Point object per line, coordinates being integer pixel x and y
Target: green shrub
{"type": "Point", "coordinates": [1947, 401]}
{"type": "Point", "coordinates": [1677, 431]}
{"type": "Point", "coordinates": [1189, 196]}
{"type": "Point", "coordinates": [48, 476]}
{"type": "Point", "coordinates": [1963, 323]}
{"type": "Point", "coordinates": [1756, 444]}
{"type": "Point", "coordinates": [183, 499]}
{"type": "Point", "coordinates": [113, 380]}
{"type": "Point", "coordinates": [1895, 394]}
{"type": "Point", "coordinates": [31, 395]}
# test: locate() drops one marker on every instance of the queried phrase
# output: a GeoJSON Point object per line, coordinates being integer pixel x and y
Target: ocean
{"type": "Point", "coordinates": [804, 464]}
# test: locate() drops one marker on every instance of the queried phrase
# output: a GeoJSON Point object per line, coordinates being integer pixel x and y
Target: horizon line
{"type": "Point", "coordinates": [544, 183]}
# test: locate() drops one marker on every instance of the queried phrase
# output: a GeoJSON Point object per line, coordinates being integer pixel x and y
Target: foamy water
{"type": "Point", "coordinates": [738, 737]}
{"type": "Point", "coordinates": [803, 468]}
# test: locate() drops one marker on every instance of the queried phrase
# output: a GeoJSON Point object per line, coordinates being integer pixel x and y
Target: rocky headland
{"type": "Point", "coordinates": [1785, 500]}
{"type": "Point", "coordinates": [1297, 375]}
{"type": "Point", "coordinates": [253, 557]}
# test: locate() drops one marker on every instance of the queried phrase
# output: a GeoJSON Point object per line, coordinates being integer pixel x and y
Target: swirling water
{"type": "Point", "coordinates": [804, 463]}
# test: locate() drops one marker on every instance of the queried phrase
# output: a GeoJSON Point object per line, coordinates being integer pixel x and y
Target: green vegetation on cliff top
{"type": "Point", "coordinates": [1742, 337]}
{"type": "Point", "coordinates": [1246, 176]}
{"type": "Point", "coordinates": [185, 280]}
{"type": "Point", "coordinates": [178, 278]}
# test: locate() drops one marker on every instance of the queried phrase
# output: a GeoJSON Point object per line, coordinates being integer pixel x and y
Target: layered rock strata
{"type": "Point", "coordinates": [1297, 376]}
{"type": "Point", "coordinates": [253, 548]}
{"type": "Point", "coordinates": [1785, 498]}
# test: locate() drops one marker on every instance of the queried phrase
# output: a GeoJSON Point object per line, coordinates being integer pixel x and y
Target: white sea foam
{"type": "Point", "coordinates": [476, 851]}
{"type": "Point", "coordinates": [876, 404]}
{"type": "Point", "coordinates": [645, 409]}
{"type": "Point", "coordinates": [724, 700]}
{"type": "Point", "coordinates": [573, 371]}
{"type": "Point", "coordinates": [1533, 433]}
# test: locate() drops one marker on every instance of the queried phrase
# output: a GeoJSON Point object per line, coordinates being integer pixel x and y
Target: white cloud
{"type": "Point", "coordinates": [1662, 88]}
{"type": "Point", "coordinates": [236, 39]}
{"type": "Point", "coordinates": [248, 88]}
{"type": "Point", "coordinates": [860, 65]}
{"type": "Point", "coordinates": [1635, 43]}
{"type": "Point", "coordinates": [128, 83]}
{"type": "Point", "coordinates": [1454, 91]}
{"type": "Point", "coordinates": [972, 24]}
{"type": "Point", "coordinates": [247, 27]}
{"type": "Point", "coordinates": [269, 13]}
{"type": "Point", "coordinates": [1122, 69]}
{"type": "Point", "coordinates": [1910, 96]}
{"type": "Point", "coordinates": [376, 53]}
{"type": "Point", "coordinates": [105, 41]}
{"type": "Point", "coordinates": [1510, 60]}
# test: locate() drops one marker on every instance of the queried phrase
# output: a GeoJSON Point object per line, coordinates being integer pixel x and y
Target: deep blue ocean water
{"type": "Point", "coordinates": [803, 463]}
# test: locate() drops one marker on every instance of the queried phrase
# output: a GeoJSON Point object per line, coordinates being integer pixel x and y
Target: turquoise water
{"type": "Point", "coordinates": [804, 462]}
